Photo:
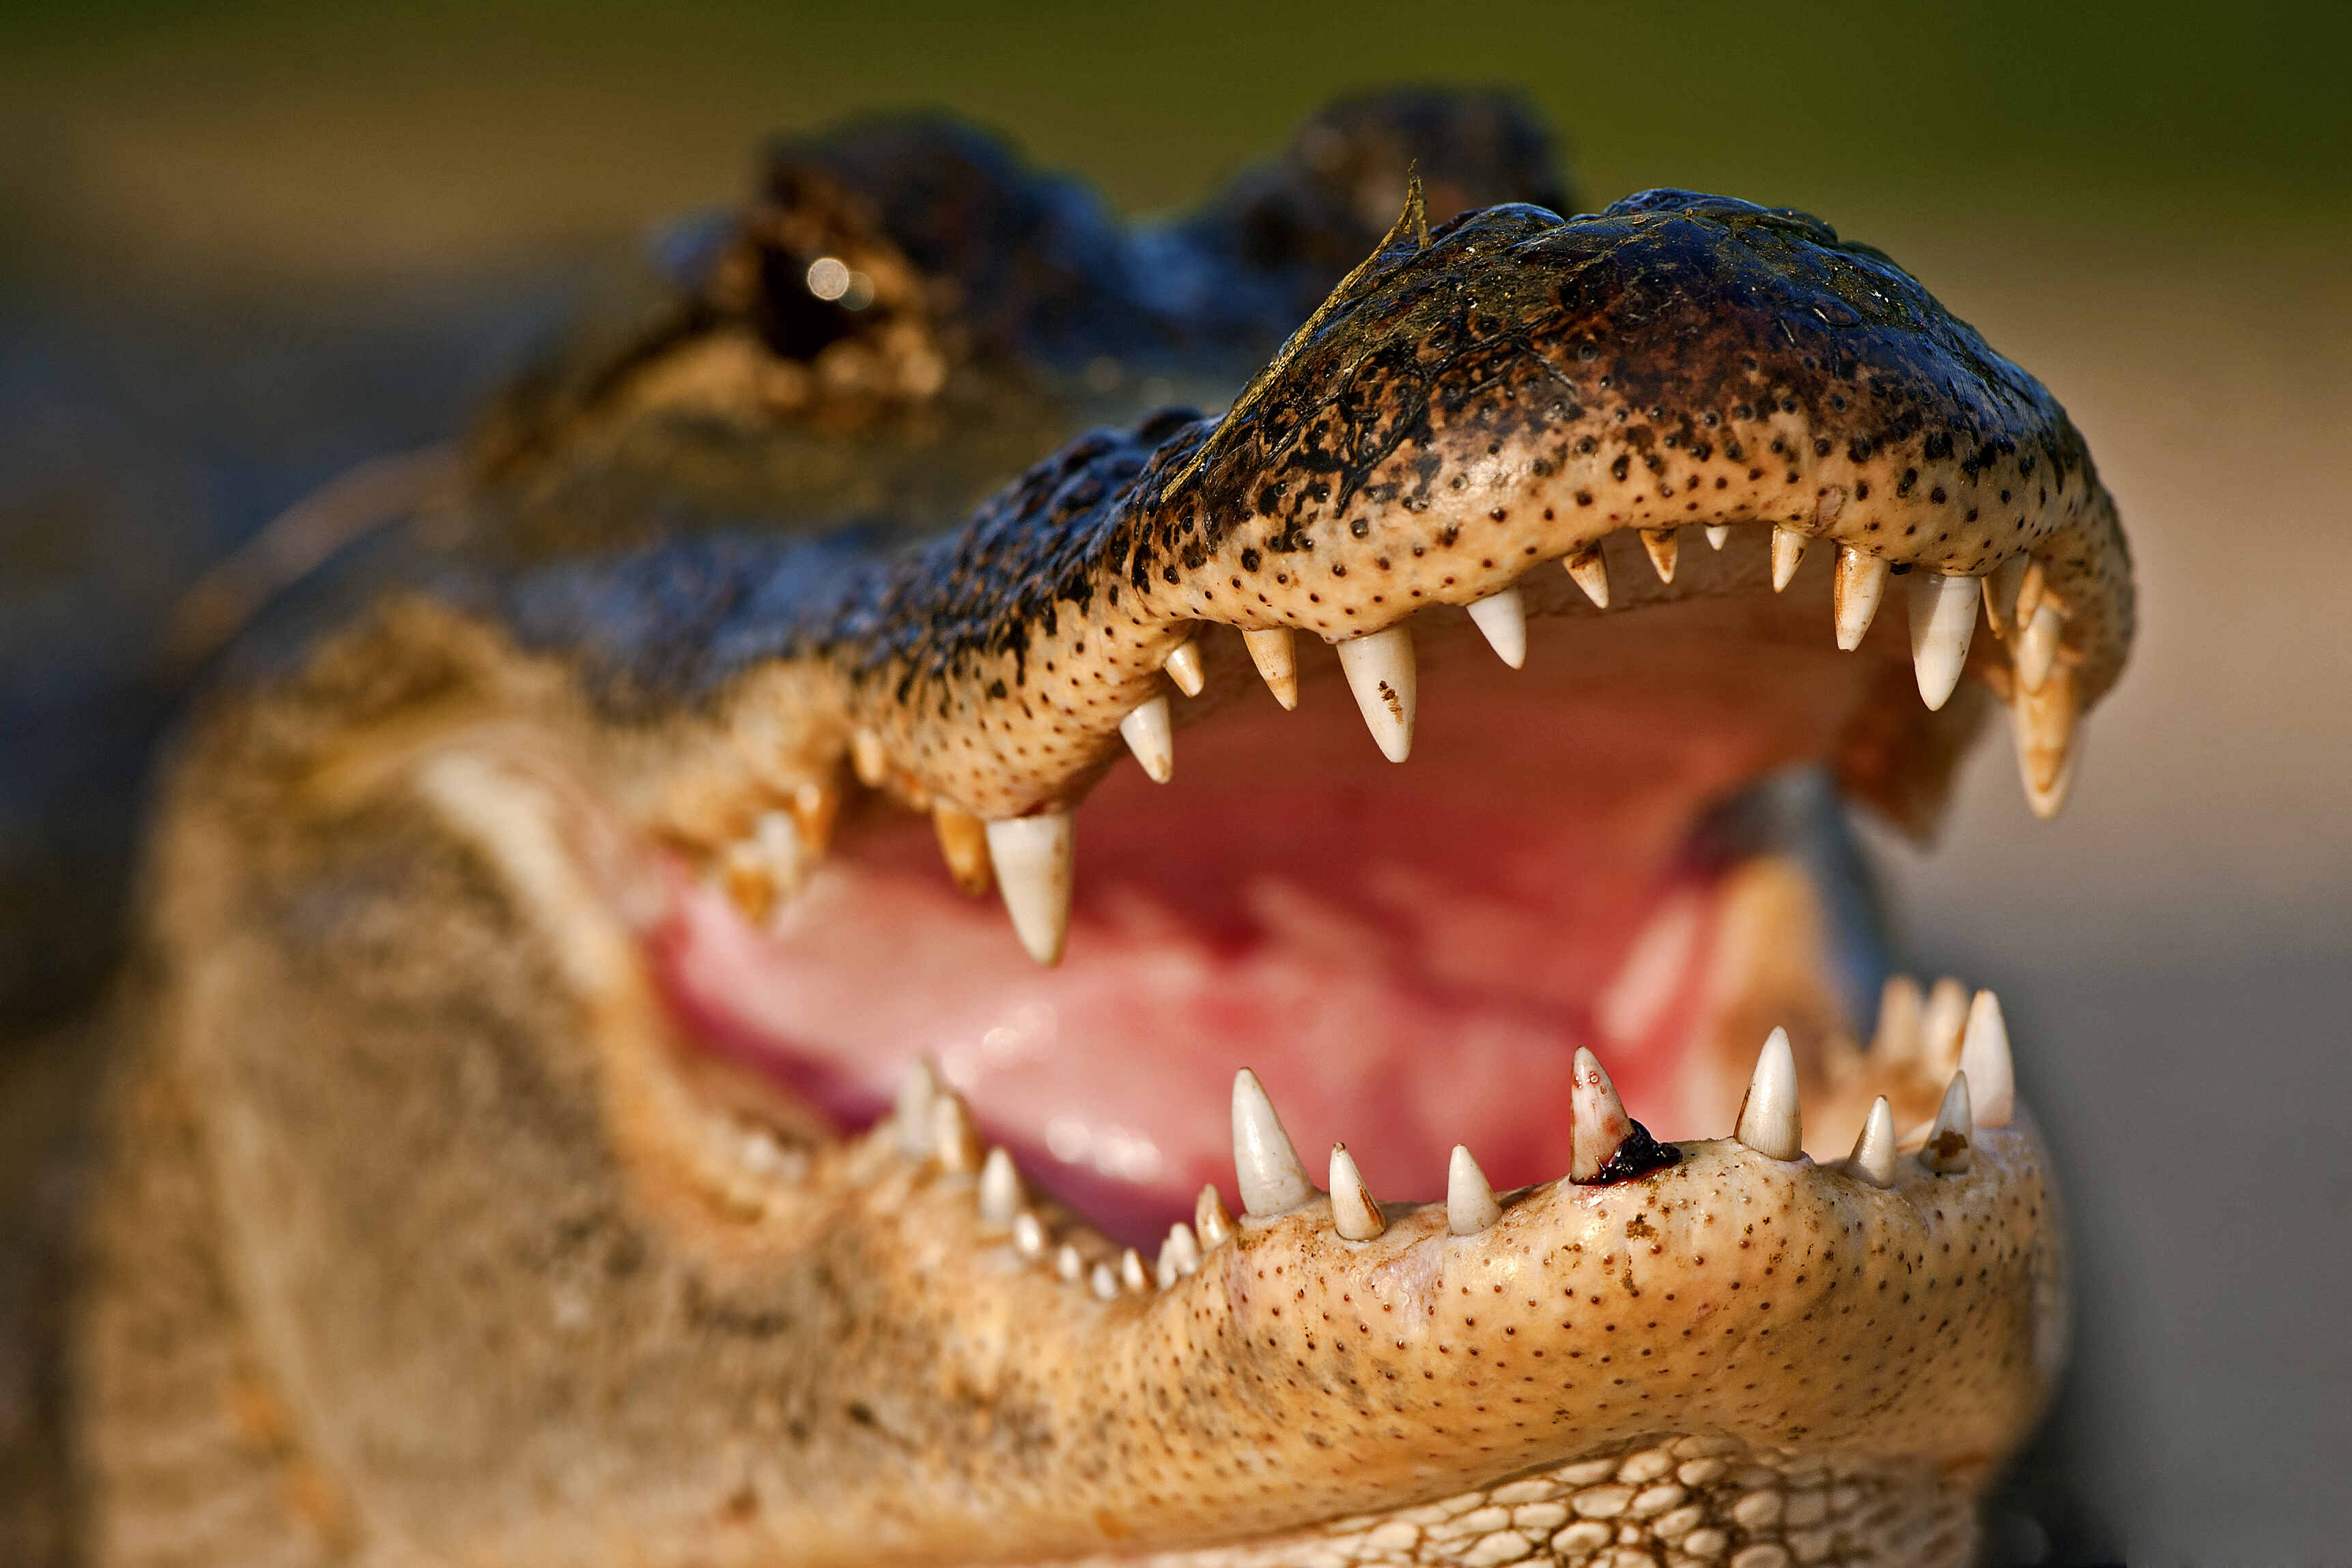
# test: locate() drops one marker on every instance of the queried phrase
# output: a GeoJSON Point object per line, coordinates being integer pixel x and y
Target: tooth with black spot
{"type": "Point", "coordinates": [1028, 1235]}
{"type": "Point", "coordinates": [1380, 671]}
{"type": "Point", "coordinates": [1788, 547]}
{"type": "Point", "coordinates": [1942, 1021]}
{"type": "Point", "coordinates": [918, 1091]}
{"type": "Point", "coordinates": [1153, 739]}
{"type": "Point", "coordinates": [2048, 729]}
{"type": "Point", "coordinates": [1986, 1063]}
{"type": "Point", "coordinates": [1897, 1035]}
{"type": "Point", "coordinates": [1859, 585]}
{"type": "Point", "coordinates": [1947, 1151]}
{"type": "Point", "coordinates": [963, 844]}
{"type": "Point", "coordinates": [1592, 574]}
{"type": "Point", "coordinates": [1770, 1120]}
{"type": "Point", "coordinates": [1130, 1271]}
{"type": "Point", "coordinates": [955, 1144]}
{"type": "Point", "coordinates": [1873, 1151]}
{"type": "Point", "coordinates": [1179, 1255]}
{"type": "Point", "coordinates": [1033, 870]}
{"type": "Point", "coordinates": [1664, 549]}
{"type": "Point", "coordinates": [1943, 619]}
{"type": "Point", "coordinates": [1717, 534]}
{"type": "Point", "coordinates": [1210, 1217]}
{"type": "Point", "coordinates": [1597, 1119]}
{"type": "Point", "coordinates": [1355, 1212]}
{"type": "Point", "coordinates": [1502, 620]}
{"type": "Point", "coordinates": [1183, 667]}
{"type": "Point", "coordinates": [1470, 1206]}
{"type": "Point", "coordinates": [2001, 588]}
{"type": "Point", "coordinates": [2037, 646]}
{"type": "Point", "coordinates": [1273, 651]}
{"type": "Point", "coordinates": [1265, 1166]}
{"type": "Point", "coordinates": [1000, 1190]}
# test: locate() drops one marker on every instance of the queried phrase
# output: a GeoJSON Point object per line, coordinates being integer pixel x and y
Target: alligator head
{"type": "Point", "coordinates": [597, 1110]}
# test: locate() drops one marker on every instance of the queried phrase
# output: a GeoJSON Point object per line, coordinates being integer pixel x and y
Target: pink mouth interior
{"type": "Point", "coordinates": [1407, 955]}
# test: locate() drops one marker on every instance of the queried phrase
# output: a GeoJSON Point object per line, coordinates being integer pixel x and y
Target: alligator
{"type": "Point", "coordinates": [633, 1063]}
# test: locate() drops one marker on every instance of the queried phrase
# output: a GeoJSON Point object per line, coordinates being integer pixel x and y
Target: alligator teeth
{"type": "Point", "coordinates": [1103, 1282]}
{"type": "Point", "coordinates": [1028, 1235]}
{"type": "Point", "coordinates": [954, 1141]}
{"type": "Point", "coordinates": [919, 1090]}
{"type": "Point", "coordinates": [1946, 1152]}
{"type": "Point", "coordinates": [1769, 1122]}
{"type": "Point", "coordinates": [1067, 1263]}
{"type": "Point", "coordinates": [1470, 1206]}
{"type": "Point", "coordinates": [1597, 1119]}
{"type": "Point", "coordinates": [1789, 547]}
{"type": "Point", "coordinates": [963, 844]}
{"type": "Point", "coordinates": [1986, 1063]}
{"type": "Point", "coordinates": [1277, 663]}
{"type": "Point", "coordinates": [1033, 856]}
{"type": "Point", "coordinates": [1717, 533]}
{"type": "Point", "coordinates": [2037, 647]}
{"type": "Point", "coordinates": [1873, 1151]}
{"type": "Point", "coordinates": [1502, 620]}
{"type": "Point", "coordinates": [1380, 671]}
{"type": "Point", "coordinates": [867, 760]}
{"type": "Point", "coordinates": [2001, 587]}
{"type": "Point", "coordinates": [1592, 574]}
{"type": "Point", "coordinates": [1183, 667]}
{"type": "Point", "coordinates": [1130, 1271]}
{"type": "Point", "coordinates": [815, 808]}
{"type": "Point", "coordinates": [1943, 616]}
{"type": "Point", "coordinates": [1355, 1213]}
{"type": "Point", "coordinates": [1897, 1037]}
{"type": "Point", "coordinates": [1941, 1022]}
{"type": "Point", "coordinates": [1665, 550]}
{"type": "Point", "coordinates": [1148, 735]}
{"type": "Point", "coordinates": [2028, 593]}
{"type": "Point", "coordinates": [2048, 737]}
{"type": "Point", "coordinates": [1000, 1190]}
{"type": "Point", "coordinates": [1179, 1255]}
{"type": "Point", "coordinates": [1860, 583]}
{"type": "Point", "coordinates": [1210, 1217]}
{"type": "Point", "coordinates": [1265, 1167]}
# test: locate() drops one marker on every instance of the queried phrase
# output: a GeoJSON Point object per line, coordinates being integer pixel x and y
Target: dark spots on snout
{"type": "Point", "coordinates": [1624, 465]}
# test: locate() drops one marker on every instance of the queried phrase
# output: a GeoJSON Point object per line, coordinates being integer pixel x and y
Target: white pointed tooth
{"type": "Point", "coordinates": [1985, 1061]}
{"type": "Point", "coordinates": [1947, 1152]}
{"type": "Point", "coordinates": [1470, 1206]}
{"type": "Point", "coordinates": [1597, 1119]}
{"type": "Point", "coordinates": [1210, 1217]}
{"type": "Point", "coordinates": [1380, 671]}
{"type": "Point", "coordinates": [1789, 547]}
{"type": "Point", "coordinates": [1000, 1190]}
{"type": "Point", "coordinates": [1665, 550]}
{"type": "Point", "coordinates": [1717, 533]}
{"type": "Point", "coordinates": [1028, 1235]}
{"type": "Point", "coordinates": [1033, 872]}
{"type": "Point", "coordinates": [2001, 586]}
{"type": "Point", "coordinates": [1272, 651]}
{"type": "Point", "coordinates": [1860, 584]}
{"type": "Point", "coordinates": [1769, 1118]}
{"type": "Point", "coordinates": [867, 760]}
{"type": "Point", "coordinates": [1943, 618]}
{"type": "Point", "coordinates": [1897, 1036]}
{"type": "Point", "coordinates": [2029, 594]}
{"type": "Point", "coordinates": [2037, 647]}
{"type": "Point", "coordinates": [1355, 1213]}
{"type": "Point", "coordinates": [1103, 1282]}
{"type": "Point", "coordinates": [1265, 1167]}
{"type": "Point", "coordinates": [1067, 1263]}
{"type": "Point", "coordinates": [1942, 1020]}
{"type": "Point", "coordinates": [1873, 1151]}
{"type": "Point", "coordinates": [1183, 667]}
{"type": "Point", "coordinates": [1179, 1255]}
{"type": "Point", "coordinates": [1130, 1271]}
{"type": "Point", "coordinates": [919, 1090]}
{"type": "Point", "coordinates": [1502, 620]}
{"type": "Point", "coordinates": [1592, 574]}
{"type": "Point", "coordinates": [1153, 739]}
{"type": "Point", "coordinates": [2048, 729]}
{"type": "Point", "coordinates": [954, 1142]}
{"type": "Point", "coordinates": [963, 844]}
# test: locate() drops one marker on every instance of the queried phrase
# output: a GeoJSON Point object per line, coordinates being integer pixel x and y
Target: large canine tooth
{"type": "Point", "coordinates": [1130, 1271]}
{"type": "Point", "coordinates": [1183, 667]}
{"type": "Point", "coordinates": [2001, 586]}
{"type": "Point", "coordinates": [1789, 547]}
{"type": "Point", "coordinates": [1769, 1122]}
{"type": "Point", "coordinates": [1943, 617]}
{"type": "Point", "coordinates": [1873, 1151]}
{"type": "Point", "coordinates": [955, 1143]}
{"type": "Point", "coordinates": [1941, 1023]}
{"type": "Point", "coordinates": [1149, 736]}
{"type": "Point", "coordinates": [1986, 1063]}
{"type": "Point", "coordinates": [2037, 646]}
{"type": "Point", "coordinates": [1665, 550]}
{"type": "Point", "coordinates": [1380, 671]}
{"type": "Point", "coordinates": [919, 1090]}
{"type": "Point", "coordinates": [1179, 1255]}
{"type": "Point", "coordinates": [1502, 620]}
{"type": "Point", "coordinates": [1470, 1206]}
{"type": "Point", "coordinates": [1210, 1217]}
{"type": "Point", "coordinates": [963, 844]}
{"type": "Point", "coordinates": [1717, 533]}
{"type": "Point", "coordinates": [1597, 1119]}
{"type": "Point", "coordinates": [1860, 583]}
{"type": "Point", "coordinates": [1592, 574]}
{"type": "Point", "coordinates": [1897, 1035]}
{"type": "Point", "coordinates": [1946, 1152]}
{"type": "Point", "coordinates": [1277, 659]}
{"type": "Point", "coordinates": [1265, 1167]}
{"type": "Point", "coordinates": [1000, 1190]}
{"type": "Point", "coordinates": [1355, 1213]}
{"type": "Point", "coordinates": [1033, 856]}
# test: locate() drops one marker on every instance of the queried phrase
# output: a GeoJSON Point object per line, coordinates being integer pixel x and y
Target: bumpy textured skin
{"type": "Point", "coordinates": [422, 1243]}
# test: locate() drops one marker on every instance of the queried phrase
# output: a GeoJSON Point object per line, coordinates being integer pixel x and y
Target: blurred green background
{"type": "Point", "coordinates": [244, 245]}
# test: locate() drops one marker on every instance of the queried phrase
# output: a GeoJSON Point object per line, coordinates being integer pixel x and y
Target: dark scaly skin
{"type": "Point", "coordinates": [424, 1245]}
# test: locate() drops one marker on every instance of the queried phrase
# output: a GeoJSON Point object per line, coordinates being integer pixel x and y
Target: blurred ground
{"type": "Point", "coordinates": [243, 247]}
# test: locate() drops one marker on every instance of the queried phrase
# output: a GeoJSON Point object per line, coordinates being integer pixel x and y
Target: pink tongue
{"type": "Point", "coordinates": [1408, 958]}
